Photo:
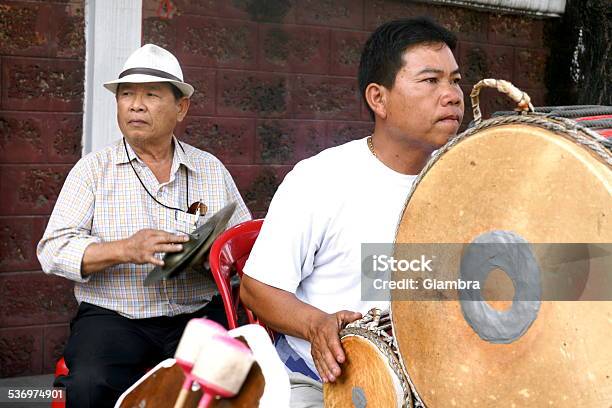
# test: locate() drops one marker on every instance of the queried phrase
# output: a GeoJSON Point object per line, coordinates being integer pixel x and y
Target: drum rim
{"type": "Point", "coordinates": [372, 333]}
{"type": "Point", "coordinates": [417, 401]}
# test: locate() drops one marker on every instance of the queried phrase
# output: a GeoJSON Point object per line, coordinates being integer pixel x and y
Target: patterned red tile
{"type": "Point", "coordinates": [378, 12]}
{"type": "Point", "coordinates": [31, 298]}
{"type": "Point", "coordinates": [480, 61]}
{"type": "Point", "coordinates": [276, 11]}
{"type": "Point", "coordinates": [212, 42]}
{"type": "Point", "coordinates": [293, 48]}
{"type": "Point", "coordinates": [341, 132]}
{"type": "Point", "coordinates": [20, 351]}
{"type": "Point", "coordinates": [160, 32]}
{"type": "Point", "coordinates": [346, 48]}
{"type": "Point", "coordinates": [515, 30]}
{"type": "Point", "coordinates": [288, 141]}
{"type": "Point", "coordinates": [231, 140]}
{"type": "Point", "coordinates": [35, 137]}
{"type": "Point", "coordinates": [325, 97]}
{"type": "Point", "coordinates": [18, 239]}
{"type": "Point", "coordinates": [333, 13]}
{"type": "Point", "coordinates": [42, 84]}
{"type": "Point", "coordinates": [257, 184]}
{"type": "Point", "coordinates": [530, 67]}
{"type": "Point", "coordinates": [204, 82]}
{"type": "Point", "coordinates": [252, 94]}
{"type": "Point", "coordinates": [30, 190]}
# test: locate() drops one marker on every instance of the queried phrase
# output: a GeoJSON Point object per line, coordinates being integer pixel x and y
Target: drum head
{"type": "Point", "coordinates": [366, 380]}
{"type": "Point", "coordinates": [545, 188]}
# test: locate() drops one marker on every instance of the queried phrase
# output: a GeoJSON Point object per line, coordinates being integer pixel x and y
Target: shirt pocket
{"type": "Point", "coordinates": [185, 223]}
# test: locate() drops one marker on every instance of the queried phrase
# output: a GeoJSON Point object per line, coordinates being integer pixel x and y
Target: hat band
{"type": "Point", "coordinates": [149, 71]}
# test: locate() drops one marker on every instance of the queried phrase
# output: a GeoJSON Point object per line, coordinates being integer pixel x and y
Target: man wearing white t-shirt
{"type": "Point", "coordinates": [303, 277]}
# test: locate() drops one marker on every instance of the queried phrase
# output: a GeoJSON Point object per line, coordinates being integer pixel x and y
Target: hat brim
{"type": "Point", "coordinates": [185, 88]}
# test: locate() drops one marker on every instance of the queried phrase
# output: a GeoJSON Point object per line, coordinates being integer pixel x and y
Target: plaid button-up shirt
{"type": "Point", "coordinates": [102, 200]}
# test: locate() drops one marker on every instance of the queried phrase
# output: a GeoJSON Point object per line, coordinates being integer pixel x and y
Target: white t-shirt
{"type": "Point", "coordinates": [310, 242]}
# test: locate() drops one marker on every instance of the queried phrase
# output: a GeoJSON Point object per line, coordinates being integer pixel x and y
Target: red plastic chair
{"type": "Point", "coordinates": [61, 368]}
{"type": "Point", "coordinates": [228, 255]}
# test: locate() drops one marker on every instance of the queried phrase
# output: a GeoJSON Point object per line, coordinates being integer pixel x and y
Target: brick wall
{"type": "Point", "coordinates": [42, 50]}
{"type": "Point", "coordinates": [275, 83]}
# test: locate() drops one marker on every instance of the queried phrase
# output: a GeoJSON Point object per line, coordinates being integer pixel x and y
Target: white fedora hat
{"type": "Point", "coordinates": [151, 63]}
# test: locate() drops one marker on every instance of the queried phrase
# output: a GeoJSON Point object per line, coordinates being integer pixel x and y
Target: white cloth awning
{"type": "Point", "coordinates": [542, 8]}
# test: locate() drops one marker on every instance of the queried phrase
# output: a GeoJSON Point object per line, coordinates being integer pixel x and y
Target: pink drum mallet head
{"type": "Point", "coordinates": [197, 332]}
{"type": "Point", "coordinates": [221, 368]}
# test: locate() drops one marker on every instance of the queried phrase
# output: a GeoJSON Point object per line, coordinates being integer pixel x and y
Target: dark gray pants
{"type": "Point", "coordinates": [106, 353]}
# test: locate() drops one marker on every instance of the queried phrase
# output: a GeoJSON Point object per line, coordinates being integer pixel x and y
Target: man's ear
{"type": "Point", "coordinates": [376, 97]}
{"type": "Point", "coordinates": [183, 107]}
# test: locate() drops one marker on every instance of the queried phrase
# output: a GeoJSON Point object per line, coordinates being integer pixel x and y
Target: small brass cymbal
{"type": "Point", "coordinates": [199, 242]}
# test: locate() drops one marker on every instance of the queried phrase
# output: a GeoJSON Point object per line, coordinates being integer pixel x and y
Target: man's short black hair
{"type": "Point", "coordinates": [178, 94]}
{"type": "Point", "coordinates": [381, 58]}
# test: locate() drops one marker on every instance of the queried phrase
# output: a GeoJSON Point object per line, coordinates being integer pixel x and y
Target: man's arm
{"type": "Point", "coordinates": [68, 248]}
{"type": "Point", "coordinates": [285, 313]}
{"type": "Point", "coordinates": [140, 248]}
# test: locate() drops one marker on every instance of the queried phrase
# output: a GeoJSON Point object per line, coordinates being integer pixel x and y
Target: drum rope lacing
{"type": "Point", "coordinates": [374, 326]}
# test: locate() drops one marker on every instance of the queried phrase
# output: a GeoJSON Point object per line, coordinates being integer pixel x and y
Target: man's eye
{"type": "Point", "coordinates": [431, 80]}
{"type": "Point", "coordinates": [456, 80]}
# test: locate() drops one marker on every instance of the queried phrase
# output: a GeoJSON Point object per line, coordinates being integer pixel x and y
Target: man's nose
{"type": "Point", "coordinates": [452, 95]}
{"type": "Point", "coordinates": [137, 102]}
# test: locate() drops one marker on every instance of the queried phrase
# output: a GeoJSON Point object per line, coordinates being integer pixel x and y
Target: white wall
{"type": "Point", "coordinates": [112, 33]}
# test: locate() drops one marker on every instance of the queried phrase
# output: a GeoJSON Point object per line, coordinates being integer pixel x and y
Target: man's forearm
{"type": "Point", "coordinates": [282, 311]}
{"type": "Point", "coordinates": [100, 256]}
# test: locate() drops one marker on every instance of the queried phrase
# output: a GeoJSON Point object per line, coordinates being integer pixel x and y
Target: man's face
{"type": "Point", "coordinates": [148, 112]}
{"type": "Point", "coordinates": [425, 104]}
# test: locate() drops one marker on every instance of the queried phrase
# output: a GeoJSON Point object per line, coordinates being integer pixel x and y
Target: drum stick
{"type": "Point", "coordinates": [182, 397]}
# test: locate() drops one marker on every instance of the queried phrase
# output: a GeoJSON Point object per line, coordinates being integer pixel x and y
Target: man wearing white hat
{"type": "Point", "coordinates": [118, 210]}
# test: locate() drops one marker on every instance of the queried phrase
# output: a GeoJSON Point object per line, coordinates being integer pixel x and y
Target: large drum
{"type": "Point", "coordinates": [372, 374]}
{"type": "Point", "coordinates": [534, 180]}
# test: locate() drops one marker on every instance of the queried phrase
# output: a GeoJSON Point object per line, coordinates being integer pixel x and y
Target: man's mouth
{"type": "Point", "coordinates": [137, 122]}
{"type": "Point", "coordinates": [449, 119]}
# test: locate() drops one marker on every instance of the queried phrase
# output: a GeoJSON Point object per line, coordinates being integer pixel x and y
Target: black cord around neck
{"type": "Point", "coordinates": [145, 188]}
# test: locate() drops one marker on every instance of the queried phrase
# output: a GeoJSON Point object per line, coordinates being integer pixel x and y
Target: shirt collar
{"type": "Point", "coordinates": [180, 157]}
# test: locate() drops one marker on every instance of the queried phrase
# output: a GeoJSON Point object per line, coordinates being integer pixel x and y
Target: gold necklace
{"type": "Point", "coordinates": [371, 146]}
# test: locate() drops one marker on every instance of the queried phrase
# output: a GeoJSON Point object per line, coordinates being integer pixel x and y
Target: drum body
{"type": "Point", "coordinates": [371, 375]}
{"type": "Point", "coordinates": [545, 184]}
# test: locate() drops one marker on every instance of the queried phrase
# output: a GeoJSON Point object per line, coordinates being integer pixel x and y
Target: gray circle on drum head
{"type": "Point", "coordinates": [359, 398]}
{"type": "Point", "coordinates": [508, 251]}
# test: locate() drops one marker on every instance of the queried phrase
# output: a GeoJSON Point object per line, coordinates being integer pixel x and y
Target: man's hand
{"type": "Point", "coordinates": [141, 247]}
{"type": "Point", "coordinates": [305, 321]}
{"type": "Point", "coordinates": [326, 350]}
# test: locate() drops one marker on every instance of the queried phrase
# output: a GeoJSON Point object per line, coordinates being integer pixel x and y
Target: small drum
{"type": "Point", "coordinates": [372, 374]}
{"type": "Point", "coordinates": [533, 179]}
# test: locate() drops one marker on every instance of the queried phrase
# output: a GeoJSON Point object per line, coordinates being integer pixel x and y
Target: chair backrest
{"type": "Point", "coordinates": [228, 255]}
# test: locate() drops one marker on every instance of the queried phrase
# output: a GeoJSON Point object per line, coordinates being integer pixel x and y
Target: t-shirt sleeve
{"type": "Point", "coordinates": [283, 254]}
